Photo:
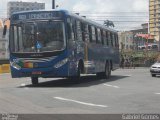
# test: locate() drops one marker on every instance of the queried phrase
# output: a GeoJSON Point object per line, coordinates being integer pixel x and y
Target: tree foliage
{"type": "Point", "coordinates": [109, 23]}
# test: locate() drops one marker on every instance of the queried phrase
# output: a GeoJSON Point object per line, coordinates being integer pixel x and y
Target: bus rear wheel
{"type": "Point", "coordinates": [107, 70]}
{"type": "Point", "coordinates": [34, 80]}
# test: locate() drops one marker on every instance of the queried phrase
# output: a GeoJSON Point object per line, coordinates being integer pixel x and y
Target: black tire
{"type": "Point", "coordinates": [153, 75]}
{"type": "Point", "coordinates": [34, 80]}
{"type": "Point", "coordinates": [107, 70]}
{"type": "Point", "coordinates": [78, 77]}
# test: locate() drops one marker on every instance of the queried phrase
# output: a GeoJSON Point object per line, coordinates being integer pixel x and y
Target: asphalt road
{"type": "Point", "coordinates": [127, 91]}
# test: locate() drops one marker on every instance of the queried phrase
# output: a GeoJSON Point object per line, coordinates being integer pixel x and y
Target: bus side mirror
{"type": "Point", "coordinates": [4, 30]}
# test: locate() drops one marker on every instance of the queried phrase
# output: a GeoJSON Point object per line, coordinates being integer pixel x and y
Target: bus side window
{"type": "Point", "coordinates": [15, 38]}
{"type": "Point", "coordinates": [83, 32]}
{"type": "Point", "coordinates": [11, 43]}
{"type": "Point", "coordinates": [93, 34]}
{"type": "Point", "coordinates": [111, 39]}
{"type": "Point", "coordinates": [70, 29]}
{"type": "Point", "coordinates": [104, 38]}
{"type": "Point", "coordinates": [96, 33]}
{"type": "Point", "coordinates": [107, 39]}
{"type": "Point", "coordinates": [78, 30]}
{"type": "Point", "coordinates": [20, 39]}
{"type": "Point", "coordinates": [84, 28]}
{"type": "Point", "coordinates": [116, 38]}
{"type": "Point", "coordinates": [99, 35]}
{"type": "Point", "coordinates": [90, 33]}
{"type": "Point", "coordinates": [74, 29]}
{"type": "Point", "coordinates": [86, 33]}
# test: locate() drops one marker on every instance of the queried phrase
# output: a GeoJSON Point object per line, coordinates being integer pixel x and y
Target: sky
{"type": "Point", "coordinates": [126, 14]}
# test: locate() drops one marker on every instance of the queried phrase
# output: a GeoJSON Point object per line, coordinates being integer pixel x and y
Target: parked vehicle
{"type": "Point", "coordinates": [148, 47]}
{"type": "Point", "coordinates": [155, 69]}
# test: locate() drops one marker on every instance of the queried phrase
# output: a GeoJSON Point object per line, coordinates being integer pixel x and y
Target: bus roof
{"type": "Point", "coordinates": [90, 22]}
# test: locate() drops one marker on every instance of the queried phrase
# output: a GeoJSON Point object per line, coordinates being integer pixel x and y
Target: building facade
{"type": "Point", "coordinates": [154, 18]}
{"type": "Point", "coordinates": [130, 40]}
{"type": "Point", "coordinates": [4, 52]}
{"type": "Point", "coordinates": [11, 8]}
{"type": "Point", "coordinates": [3, 49]}
{"type": "Point", "coordinates": [126, 41]}
{"type": "Point", "coordinates": [23, 6]}
{"type": "Point", "coordinates": [138, 41]}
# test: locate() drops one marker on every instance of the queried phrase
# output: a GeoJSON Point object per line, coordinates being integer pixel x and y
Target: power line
{"type": "Point", "coordinates": [116, 16]}
{"type": "Point", "coordinates": [93, 12]}
{"type": "Point", "coordinates": [121, 21]}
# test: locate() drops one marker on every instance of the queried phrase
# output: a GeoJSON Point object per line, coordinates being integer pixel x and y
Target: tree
{"type": "Point", "coordinates": [109, 23]}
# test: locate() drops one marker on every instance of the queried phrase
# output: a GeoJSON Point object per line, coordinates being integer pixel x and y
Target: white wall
{"type": "Point", "coordinates": [4, 45]}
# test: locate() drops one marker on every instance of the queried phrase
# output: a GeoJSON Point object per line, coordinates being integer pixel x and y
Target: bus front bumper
{"type": "Point", "coordinates": [40, 72]}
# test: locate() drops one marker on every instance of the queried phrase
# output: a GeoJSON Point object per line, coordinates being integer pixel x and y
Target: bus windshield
{"type": "Point", "coordinates": [38, 36]}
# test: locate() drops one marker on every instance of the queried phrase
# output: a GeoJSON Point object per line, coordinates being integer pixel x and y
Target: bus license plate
{"type": "Point", "coordinates": [36, 73]}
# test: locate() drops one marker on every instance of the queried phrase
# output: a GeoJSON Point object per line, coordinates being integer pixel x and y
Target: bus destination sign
{"type": "Point", "coordinates": [37, 15]}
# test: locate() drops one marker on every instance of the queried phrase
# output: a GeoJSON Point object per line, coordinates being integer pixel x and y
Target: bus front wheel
{"type": "Point", "coordinates": [34, 80]}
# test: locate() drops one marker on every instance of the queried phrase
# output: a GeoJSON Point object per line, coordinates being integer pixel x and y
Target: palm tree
{"type": "Point", "coordinates": [109, 23]}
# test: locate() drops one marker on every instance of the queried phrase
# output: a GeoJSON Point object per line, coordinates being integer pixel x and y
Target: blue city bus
{"type": "Point", "coordinates": [57, 43]}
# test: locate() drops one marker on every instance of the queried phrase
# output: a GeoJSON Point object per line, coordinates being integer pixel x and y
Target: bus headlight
{"type": "Point", "coordinates": [61, 63]}
{"type": "Point", "coordinates": [15, 65]}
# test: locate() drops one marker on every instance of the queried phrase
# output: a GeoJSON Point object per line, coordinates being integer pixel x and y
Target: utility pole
{"type": "Point", "coordinates": [53, 4]}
